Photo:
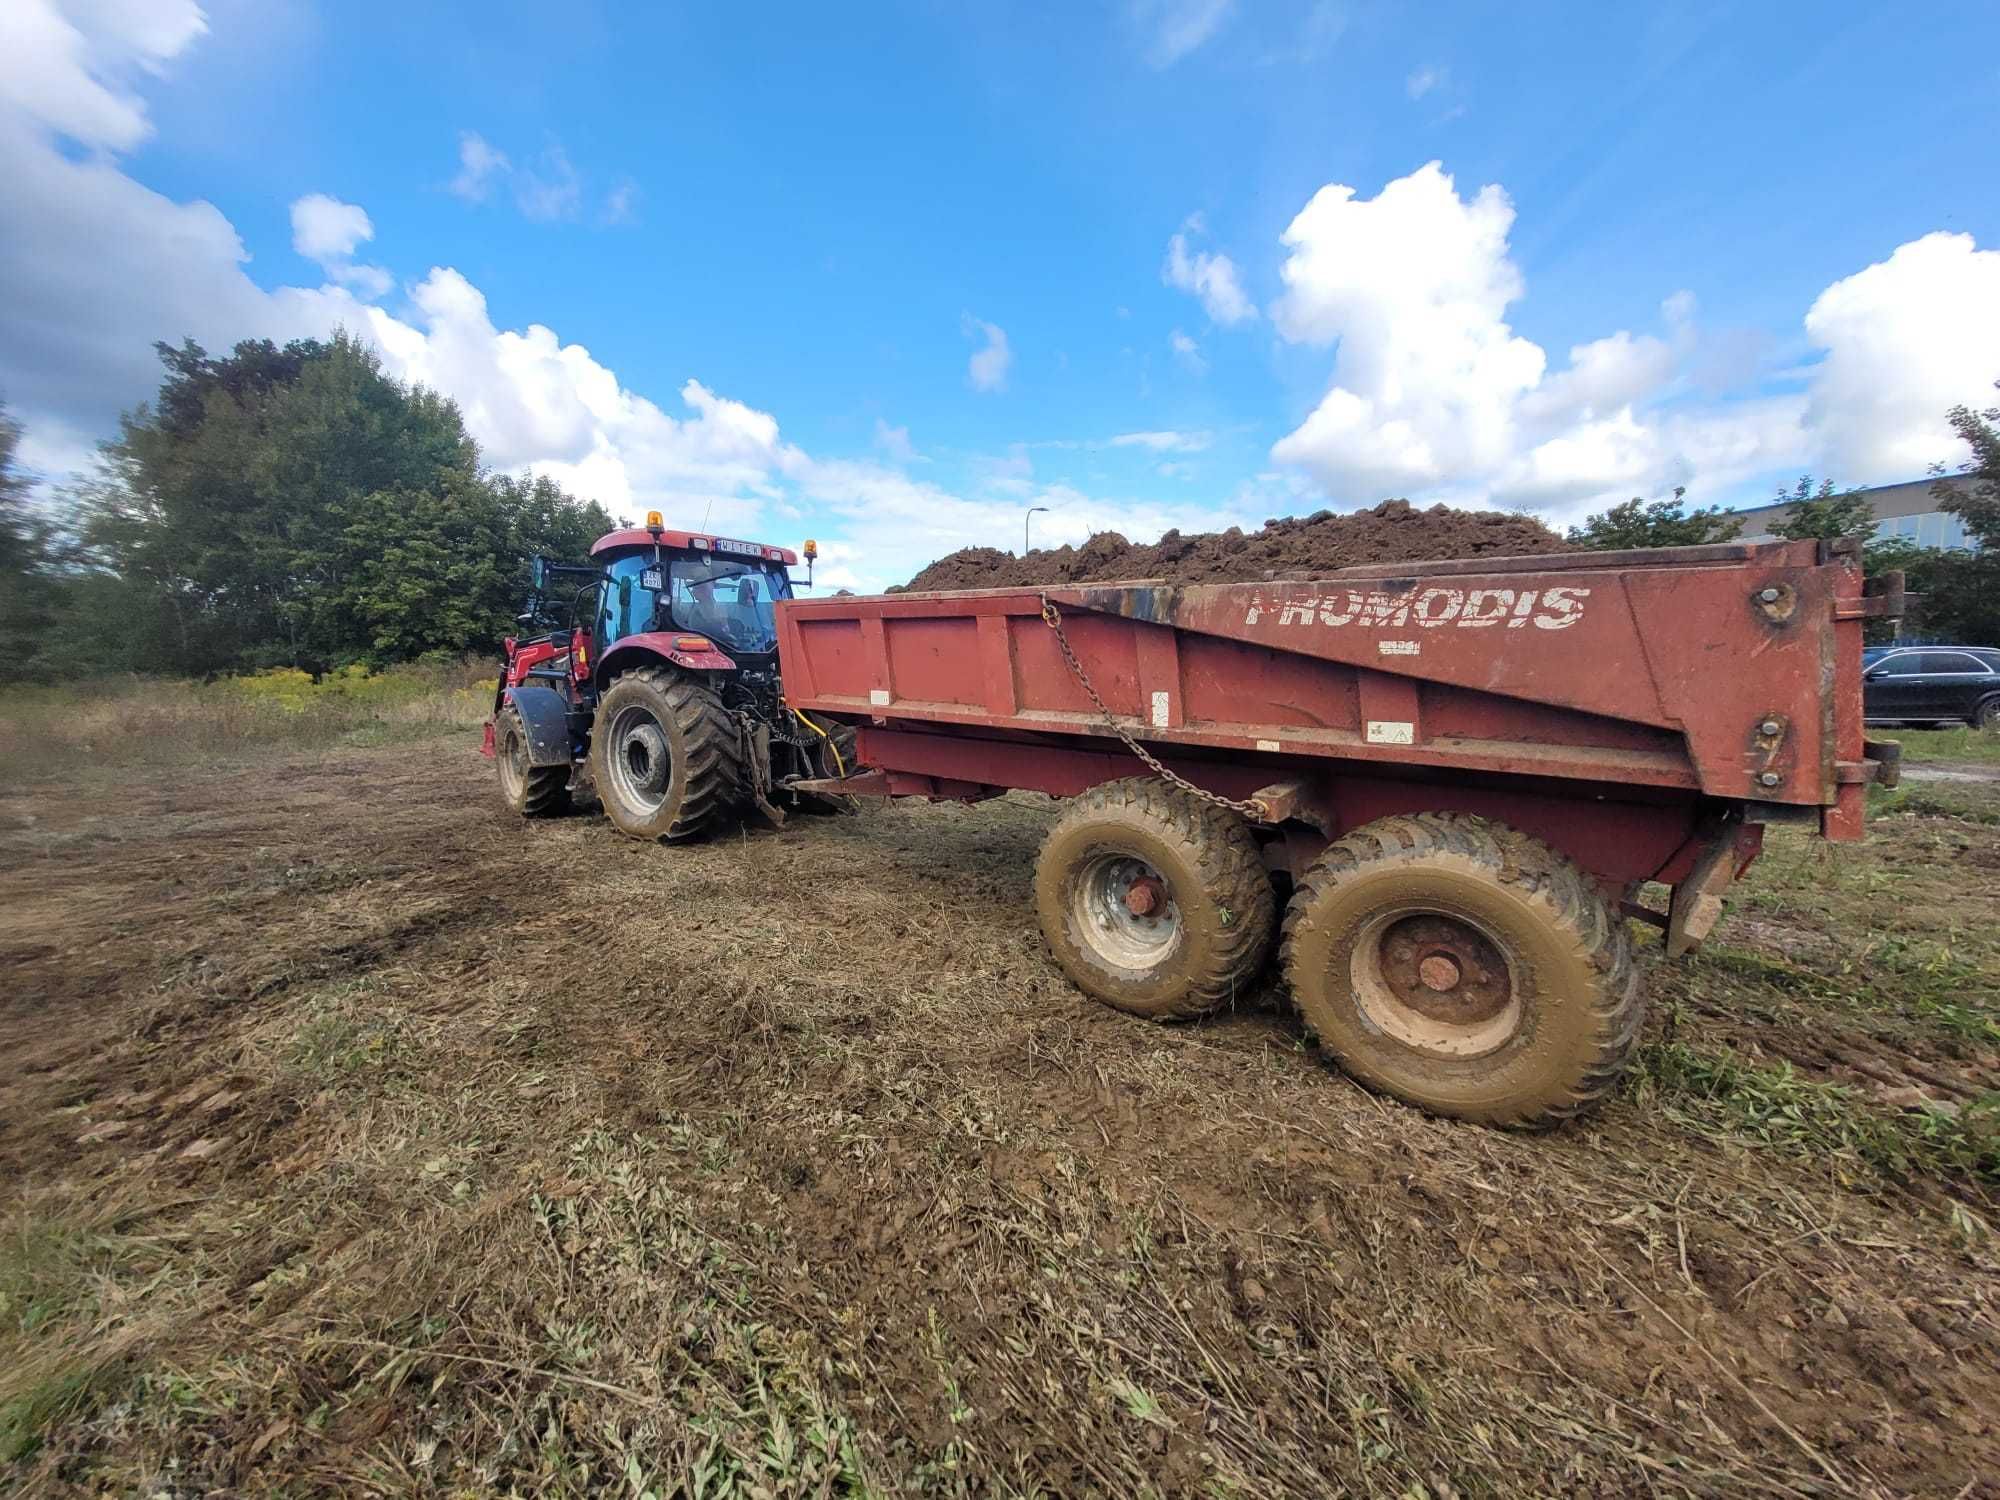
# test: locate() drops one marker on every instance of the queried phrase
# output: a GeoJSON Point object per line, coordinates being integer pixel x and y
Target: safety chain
{"type": "Point", "coordinates": [1052, 617]}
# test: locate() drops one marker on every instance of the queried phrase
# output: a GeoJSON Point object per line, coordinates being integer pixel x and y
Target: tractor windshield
{"type": "Point", "coordinates": [730, 602]}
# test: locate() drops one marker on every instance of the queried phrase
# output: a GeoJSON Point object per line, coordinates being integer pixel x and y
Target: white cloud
{"type": "Point", "coordinates": [548, 187]}
{"type": "Point", "coordinates": [895, 441]}
{"type": "Point", "coordinates": [69, 66]}
{"type": "Point", "coordinates": [1423, 79]}
{"type": "Point", "coordinates": [621, 204]}
{"type": "Point", "coordinates": [1165, 442]}
{"type": "Point", "coordinates": [1174, 28]}
{"type": "Point", "coordinates": [1906, 339]}
{"type": "Point", "coordinates": [1433, 392]}
{"type": "Point", "coordinates": [328, 231]}
{"type": "Point", "coordinates": [480, 164]}
{"type": "Point", "coordinates": [1213, 278]}
{"type": "Point", "coordinates": [1187, 351]}
{"type": "Point", "coordinates": [988, 367]}
{"type": "Point", "coordinates": [1412, 285]}
{"type": "Point", "coordinates": [325, 229]}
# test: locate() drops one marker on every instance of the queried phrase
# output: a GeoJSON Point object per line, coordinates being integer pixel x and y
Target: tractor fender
{"type": "Point", "coordinates": [657, 646]}
{"type": "Point", "coordinates": [546, 716]}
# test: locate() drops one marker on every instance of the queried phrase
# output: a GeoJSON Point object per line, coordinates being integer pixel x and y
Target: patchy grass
{"type": "Point", "coordinates": [1779, 1107]}
{"type": "Point", "coordinates": [1960, 744]}
{"type": "Point", "coordinates": [365, 1140]}
{"type": "Point", "coordinates": [125, 721]}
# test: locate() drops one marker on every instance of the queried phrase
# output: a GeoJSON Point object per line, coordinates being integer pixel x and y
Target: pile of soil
{"type": "Point", "coordinates": [1394, 531]}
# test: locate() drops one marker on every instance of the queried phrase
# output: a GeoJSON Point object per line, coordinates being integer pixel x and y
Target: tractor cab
{"type": "Point", "coordinates": [689, 584]}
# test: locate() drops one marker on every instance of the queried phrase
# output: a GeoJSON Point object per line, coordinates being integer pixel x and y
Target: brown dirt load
{"type": "Point", "coordinates": [666, 757]}
{"type": "Point", "coordinates": [1465, 968]}
{"type": "Point", "coordinates": [532, 791]}
{"type": "Point", "coordinates": [1394, 531]}
{"type": "Point", "coordinates": [360, 1138]}
{"type": "Point", "coordinates": [1154, 901]}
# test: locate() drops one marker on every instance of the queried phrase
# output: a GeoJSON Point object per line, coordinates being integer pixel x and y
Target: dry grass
{"type": "Point", "coordinates": [145, 721]}
{"type": "Point", "coordinates": [360, 1139]}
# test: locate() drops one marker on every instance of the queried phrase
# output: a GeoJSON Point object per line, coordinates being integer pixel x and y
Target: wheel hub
{"type": "Point", "coordinates": [1126, 911]}
{"type": "Point", "coordinates": [1439, 984]}
{"type": "Point", "coordinates": [641, 760]}
{"type": "Point", "coordinates": [1145, 895]}
{"type": "Point", "coordinates": [646, 757]}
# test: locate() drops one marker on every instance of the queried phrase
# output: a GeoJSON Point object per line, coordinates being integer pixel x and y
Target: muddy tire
{"type": "Point", "coordinates": [1154, 901]}
{"type": "Point", "coordinates": [666, 757]}
{"type": "Point", "coordinates": [1464, 968]}
{"type": "Point", "coordinates": [532, 791]}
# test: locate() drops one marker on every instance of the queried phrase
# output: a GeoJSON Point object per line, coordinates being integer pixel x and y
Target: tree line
{"type": "Point", "coordinates": [280, 505]}
{"type": "Point", "coordinates": [1958, 588]}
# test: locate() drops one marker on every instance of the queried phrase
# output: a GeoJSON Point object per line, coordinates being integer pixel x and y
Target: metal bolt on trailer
{"type": "Point", "coordinates": [1465, 773]}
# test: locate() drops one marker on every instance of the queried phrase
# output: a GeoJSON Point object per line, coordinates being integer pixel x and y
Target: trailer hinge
{"type": "Point", "coordinates": [1882, 598]}
{"type": "Point", "coordinates": [1886, 756]}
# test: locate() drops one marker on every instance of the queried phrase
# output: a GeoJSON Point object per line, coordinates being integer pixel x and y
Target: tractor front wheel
{"type": "Point", "coordinates": [532, 791]}
{"type": "Point", "coordinates": [666, 756]}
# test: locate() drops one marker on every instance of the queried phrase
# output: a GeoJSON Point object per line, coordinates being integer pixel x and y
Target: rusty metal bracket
{"type": "Point", "coordinates": [869, 783]}
{"type": "Point", "coordinates": [1887, 757]}
{"type": "Point", "coordinates": [1287, 800]}
{"type": "Point", "coordinates": [1697, 903]}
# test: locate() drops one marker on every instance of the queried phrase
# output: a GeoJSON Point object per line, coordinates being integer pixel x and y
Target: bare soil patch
{"type": "Point", "coordinates": [358, 1137]}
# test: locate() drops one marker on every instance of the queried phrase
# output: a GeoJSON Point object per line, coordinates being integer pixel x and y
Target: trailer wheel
{"type": "Point", "coordinates": [666, 756]}
{"type": "Point", "coordinates": [532, 791]}
{"type": "Point", "coordinates": [1465, 968]}
{"type": "Point", "coordinates": [1154, 901]}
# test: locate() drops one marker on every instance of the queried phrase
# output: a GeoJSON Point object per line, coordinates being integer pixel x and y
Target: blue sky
{"type": "Point", "coordinates": [928, 263]}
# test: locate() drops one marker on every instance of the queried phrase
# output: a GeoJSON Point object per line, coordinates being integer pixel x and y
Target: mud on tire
{"type": "Point", "coordinates": [666, 757]}
{"type": "Point", "coordinates": [1465, 968]}
{"type": "Point", "coordinates": [532, 791]}
{"type": "Point", "coordinates": [1211, 909]}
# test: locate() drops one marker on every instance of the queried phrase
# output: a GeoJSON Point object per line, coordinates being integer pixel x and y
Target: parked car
{"type": "Point", "coordinates": [1931, 684]}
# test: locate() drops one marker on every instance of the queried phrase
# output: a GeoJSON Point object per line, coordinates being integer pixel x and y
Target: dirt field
{"type": "Point", "coordinates": [357, 1138]}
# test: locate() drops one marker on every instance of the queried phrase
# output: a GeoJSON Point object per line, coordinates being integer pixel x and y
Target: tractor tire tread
{"type": "Point", "coordinates": [716, 770]}
{"type": "Point", "coordinates": [545, 791]}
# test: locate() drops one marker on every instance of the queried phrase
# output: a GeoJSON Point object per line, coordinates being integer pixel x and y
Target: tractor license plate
{"type": "Point", "coordinates": [748, 549]}
{"type": "Point", "coordinates": [651, 579]}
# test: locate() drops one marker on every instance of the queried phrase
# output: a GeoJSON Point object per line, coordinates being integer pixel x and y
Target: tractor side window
{"type": "Point", "coordinates": [732, 603]}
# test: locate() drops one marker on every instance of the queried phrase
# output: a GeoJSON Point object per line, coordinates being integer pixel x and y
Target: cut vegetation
{"type": "Point", "coordinates": [359, 1137]}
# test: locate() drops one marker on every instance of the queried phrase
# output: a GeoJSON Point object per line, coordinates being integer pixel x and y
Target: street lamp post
{"type": "Point", "coordinates": [1025, 520]}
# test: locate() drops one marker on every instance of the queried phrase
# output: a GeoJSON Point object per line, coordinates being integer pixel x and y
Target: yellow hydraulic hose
{"type": "Point", "coordinates": [838, 764]}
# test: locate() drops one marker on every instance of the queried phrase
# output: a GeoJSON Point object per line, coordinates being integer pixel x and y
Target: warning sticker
{"type": "Point", "coordinates": [1391, 732]}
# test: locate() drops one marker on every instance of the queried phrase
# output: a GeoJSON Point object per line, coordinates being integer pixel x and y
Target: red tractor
{"type": "Point", "coordinates": [651, 676]}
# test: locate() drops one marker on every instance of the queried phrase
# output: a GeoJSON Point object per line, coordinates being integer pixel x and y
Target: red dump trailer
{"type": "Point", "coordinates": [1457, 778]}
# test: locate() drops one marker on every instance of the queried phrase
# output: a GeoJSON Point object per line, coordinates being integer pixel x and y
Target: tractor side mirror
{"type": "Point", "coordinates": [537, 572]}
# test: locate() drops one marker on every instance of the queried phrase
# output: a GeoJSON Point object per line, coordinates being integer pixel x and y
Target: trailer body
{"type": "Point", "coordinates": [1645, 713]}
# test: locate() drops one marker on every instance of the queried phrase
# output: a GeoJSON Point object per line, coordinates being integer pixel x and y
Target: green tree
{"type": "Point", "coordinates": [1975, 497]}
{"type": "Point", "coordinates": [1822, 514]}
{"type": "Point", "coordinates": [298, 505]}
{"type": "Point", "coordinates": [29, 591]}
{"type": "Point", "coordinates": [1656, 523]}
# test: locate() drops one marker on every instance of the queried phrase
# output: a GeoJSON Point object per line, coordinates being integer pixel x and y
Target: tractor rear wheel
{"type": "Point", "coordinates": [666, 756]}
{"type": "Point", "coordinates": [1465, 968]}
{"type": "Point", "coordinates": [532, 791]}
{"type": "Point", "coordinates": [1153, 900]}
